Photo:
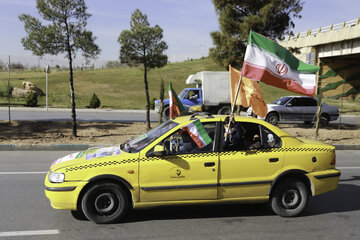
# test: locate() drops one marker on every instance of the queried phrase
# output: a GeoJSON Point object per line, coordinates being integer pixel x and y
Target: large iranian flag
{"type": "Point", "coordinates": [176, 107]}
{"type": "Point", "coordinates": [268, 62]}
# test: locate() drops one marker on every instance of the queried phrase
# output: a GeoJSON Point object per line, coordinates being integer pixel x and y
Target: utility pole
{"type": "Point", "coordinates": [8, 93]}
{"type": "Point", "coordinates": [47, 72]}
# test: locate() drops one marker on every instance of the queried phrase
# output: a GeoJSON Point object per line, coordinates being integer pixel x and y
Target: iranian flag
{"type": "Point", "coordinates": [198, 134]}
{"type": "Point", "coordinates": [176, 107]}
{"type": "Point", "coordinates": [270, 63]}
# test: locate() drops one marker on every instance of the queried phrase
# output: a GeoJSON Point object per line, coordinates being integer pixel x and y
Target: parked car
{"type": "Point", "coordinates": [167, 167]}
{"type": "Point", "coordinates": [298, 108]}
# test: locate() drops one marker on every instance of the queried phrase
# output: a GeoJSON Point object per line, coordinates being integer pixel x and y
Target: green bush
{"type": "Point", "coordinates": [4, 91]}
{"type": "Point", "coordinates": [94, 101]}
{"type": "Point", "coordinates": [31, 100]}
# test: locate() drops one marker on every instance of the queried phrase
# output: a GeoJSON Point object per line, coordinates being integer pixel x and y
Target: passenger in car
{"type": "Point", "coordinates": [256, 142]}
{"type": "Point", "coordinates": [233, 136]}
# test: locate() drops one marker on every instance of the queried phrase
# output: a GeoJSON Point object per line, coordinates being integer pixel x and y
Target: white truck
{"type": "Point", "coordinates": [212, 92]}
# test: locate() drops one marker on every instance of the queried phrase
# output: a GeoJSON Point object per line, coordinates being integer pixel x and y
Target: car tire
{"type": "Point", "coordinates": [105, 203]}
{"type": "Point", "coordinates": [78, 215]}
{"type": "Point", "coordinates": [272, 118]}
{"type": "Point", "coordinates": [290, 198]}
{"type": "Point", "coordinates": [307, 122]}
{"type": "Point", "coordinates": [165, 114]}
{"type": "Point", "coordinates": [225, 110]}
{"type": "Point", "coordinates": [324, 120]}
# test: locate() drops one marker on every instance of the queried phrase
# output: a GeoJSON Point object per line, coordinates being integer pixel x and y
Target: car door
{"type": "Point", "coordinates": [184, 172]}
{"type": "Point", "coordinates": [309, 109]}
{"type": "Point", "coordinates": [293, 110]}
{"type": "Point", "coordinates": [192, 98]}
{"type": "Point", "coordinates": [249, 170]}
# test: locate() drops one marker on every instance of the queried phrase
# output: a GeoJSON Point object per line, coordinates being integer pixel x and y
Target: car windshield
{"type": "Point", "coordinates": [183, 93]}
{"type": "Point", "coordinates": [282, 101]}
{"type": "Point", "coordinates": [134, 146]}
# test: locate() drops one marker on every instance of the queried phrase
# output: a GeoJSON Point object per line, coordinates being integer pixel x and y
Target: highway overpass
{"type": "Point", "coordinates": [336, 49]}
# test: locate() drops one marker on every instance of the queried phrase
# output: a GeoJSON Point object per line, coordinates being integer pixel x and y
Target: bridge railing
{"type": "Point", "coordinates": [315, 31]}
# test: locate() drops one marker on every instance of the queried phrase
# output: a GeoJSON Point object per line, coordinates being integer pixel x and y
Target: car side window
{"type": "Point", "coordinates": [310, 102]}
{"type": "Point", "coordinates": [180, 142]}
{"type": "Point", "coordinates": [269, 139]}
{"type": "Point", "coordinates": [248, 136]}
{"type": "Point", "coordinates": [297, 102]}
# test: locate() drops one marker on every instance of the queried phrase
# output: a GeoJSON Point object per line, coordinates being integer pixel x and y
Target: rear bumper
{"type": "Point", "coordinates": [324, 181]}
{"type": "Point", "coordinates": [334, 117]}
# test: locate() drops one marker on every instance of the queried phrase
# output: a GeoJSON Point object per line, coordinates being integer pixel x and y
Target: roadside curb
{"type": "Point", "coordinates": [80, 147]}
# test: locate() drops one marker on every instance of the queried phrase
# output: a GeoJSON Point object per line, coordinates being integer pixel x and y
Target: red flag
{"type": "Point", "coordinates": [176, 107]}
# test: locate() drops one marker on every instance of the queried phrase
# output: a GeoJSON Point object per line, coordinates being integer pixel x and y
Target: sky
{"type": "Point", "coordinates": [187, 25]}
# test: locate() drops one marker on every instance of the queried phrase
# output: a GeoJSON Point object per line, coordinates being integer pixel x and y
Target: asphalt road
{"type": "Point", "coordinates": [26, 214]}
{"type": "Point", "coordinates": [98, 115]}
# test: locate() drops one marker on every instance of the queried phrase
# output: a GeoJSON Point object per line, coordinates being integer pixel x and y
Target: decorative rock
{"type": "Point", "coordinates": [27, 88]}
{"type": "Point", "coordinates": [32, 87]}
{"type": "Point", "coordinates": [20, 93]}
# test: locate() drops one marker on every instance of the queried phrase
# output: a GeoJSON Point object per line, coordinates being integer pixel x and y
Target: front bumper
{"type": "Point", "coordinates": [63, 195]}
{"type": "Point", "coordinates": [324, 181]}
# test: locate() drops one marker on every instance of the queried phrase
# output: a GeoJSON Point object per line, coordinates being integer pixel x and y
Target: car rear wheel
{"type": "Point", "coordinates": [105, 203]}
{"type": "Point", "coordinates": [324, 120]}
{"type": "Point", "coordinates": [272, 118]}
{"type": "Point", "coordinates": [290, 198]}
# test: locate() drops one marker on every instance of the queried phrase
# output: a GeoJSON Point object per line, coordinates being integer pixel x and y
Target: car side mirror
{"type": "Point", "coordinates": [289, 105]}
{"type": "Point", "coordinates": [159, 150]}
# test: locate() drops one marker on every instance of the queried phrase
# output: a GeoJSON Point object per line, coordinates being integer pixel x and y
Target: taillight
{"type": "Point", "coordinates": [333, 162]}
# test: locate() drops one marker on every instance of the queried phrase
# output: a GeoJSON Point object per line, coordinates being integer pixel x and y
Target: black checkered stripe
{"type": "Point", "coordinates": [274, 150]}
{"type": "Point", "coordinates": [115, 162]}
{"type": "Point", "coordinates": [184, 156]}
{"type": "Point", "coordinates": [101, 164]}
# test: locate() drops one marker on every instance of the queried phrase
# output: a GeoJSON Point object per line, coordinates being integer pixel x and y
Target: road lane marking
{"type": "Point", "coordinates": [29, 233]}
{"type": "Point", "coordinates": [23, 173]}
{"type": "Point", "coordinates": [344, 168]}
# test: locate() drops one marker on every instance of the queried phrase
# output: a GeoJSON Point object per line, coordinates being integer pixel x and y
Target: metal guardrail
{"type": "Point", "coordinates": [326, 29]}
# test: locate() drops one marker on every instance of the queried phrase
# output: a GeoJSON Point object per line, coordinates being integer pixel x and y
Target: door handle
{"type": "Point", "coordinates": [273, 159]}
{"type": "Point", "coordinates": [209, 164]}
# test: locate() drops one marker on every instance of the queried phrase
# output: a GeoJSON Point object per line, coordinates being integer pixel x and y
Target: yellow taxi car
{"type": "Point", "coordinates": [188, 160]}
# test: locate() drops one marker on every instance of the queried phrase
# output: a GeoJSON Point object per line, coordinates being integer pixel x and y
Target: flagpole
{"type": "Point", "coordinates": [319, 101]}
{"type": "Point", "coordinates": [236, 95]}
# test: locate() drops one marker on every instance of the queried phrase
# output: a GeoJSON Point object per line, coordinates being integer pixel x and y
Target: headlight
{"type": "Point", "coordinates": [56, 177]}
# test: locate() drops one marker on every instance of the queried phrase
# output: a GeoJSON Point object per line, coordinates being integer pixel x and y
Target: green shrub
{"type": "Point", "coordinates": [4, 91]}
{"type": "Point", "coordinates": [31, 100]}
{"type": "Point", "coordinates": [94, 101]}
{"type": "Point", "coordinates": [152, 103]}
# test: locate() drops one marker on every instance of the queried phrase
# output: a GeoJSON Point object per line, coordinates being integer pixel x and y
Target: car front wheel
{"type": "Point", "coordinates": [105, 203]}
{"type": "Point", "coordinates": [272, 118]}
{"type": "Point", "coordinates": [290, 198]}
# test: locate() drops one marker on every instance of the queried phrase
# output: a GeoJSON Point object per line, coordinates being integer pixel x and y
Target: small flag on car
{"type": "Point", "coordinates": [176, 107]}
{"type": "Point", "coordinates": [198, 134]}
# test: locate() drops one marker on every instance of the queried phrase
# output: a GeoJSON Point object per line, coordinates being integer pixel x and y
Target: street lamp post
{"type": "Point", "coordinates": [47, 72]}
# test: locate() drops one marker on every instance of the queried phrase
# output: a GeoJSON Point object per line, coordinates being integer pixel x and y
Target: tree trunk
{"type": "Point", "coordinates": [147, 99]}
{"type": "Point", "coordinates": [73, 112]}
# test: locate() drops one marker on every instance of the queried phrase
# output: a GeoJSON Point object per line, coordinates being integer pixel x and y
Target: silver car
{"type": "Point", "coordinates": [298, 108]}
